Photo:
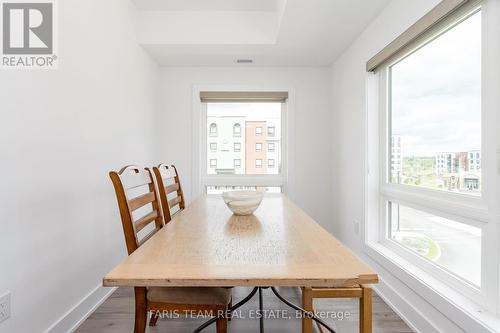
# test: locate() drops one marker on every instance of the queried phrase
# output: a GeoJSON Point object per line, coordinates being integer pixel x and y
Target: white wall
{"type": "Point", "coordinates": [61, 131]}
{"type": "Point", "coordinates": [348, 102]}
{"type": "Point", "coordinates": [310, 164]}
{"type": "Point", "coordinates": [348, 99]}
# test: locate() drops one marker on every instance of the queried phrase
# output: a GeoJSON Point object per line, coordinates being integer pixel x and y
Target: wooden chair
{"type": "Point", "coordinates": [364, 293]}
{"type": "Point", "coordinates": [167, 179]}
{"type": "Point", "coordinates": [168, 182]}
{"type": "Point", "coordinates": [135, 191]}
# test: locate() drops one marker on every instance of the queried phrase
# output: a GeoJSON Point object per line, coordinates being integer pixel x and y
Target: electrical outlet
{"type": "Point", "coordinates": [5, 306]}
{"type": "Point", "coordinates": [356, 227]}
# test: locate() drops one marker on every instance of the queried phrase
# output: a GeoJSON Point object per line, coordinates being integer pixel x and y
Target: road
{"type": "Point", "coordinates": [460, 244]}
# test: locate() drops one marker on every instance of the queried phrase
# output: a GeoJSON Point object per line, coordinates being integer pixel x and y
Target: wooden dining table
{"type": "Point", "coordinates": [206, 245]}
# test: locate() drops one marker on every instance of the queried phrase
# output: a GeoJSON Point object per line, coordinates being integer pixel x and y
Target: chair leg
{"type": "Point", "coordinates": [307, 304]}
{"type": "Point", "coordinates": [229, 307]}
{"type": "Point", "coordinates": [154, 318]}
{"type": "Point", "coordinates": [221, 325]}
{"type": "Point", "coordinates": [140, 310]}
{"type": "Point", "coordinates": [365, 311]}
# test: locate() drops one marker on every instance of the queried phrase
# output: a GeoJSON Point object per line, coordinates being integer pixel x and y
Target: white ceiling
{"type": "Point", "coordinates": [207, 5]}
{"type": "Point", "coordinates": [271, 32]}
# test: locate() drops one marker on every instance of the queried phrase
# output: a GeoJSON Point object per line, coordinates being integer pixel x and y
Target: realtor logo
{"type": "Point", "coordinates": [28, 34]}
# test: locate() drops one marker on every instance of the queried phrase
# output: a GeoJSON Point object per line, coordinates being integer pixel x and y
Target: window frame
{"type": "Point", "coordinates": [474, 211]}
{"type": "Point", "coordinates": [234, 147]}
{"type": "Point", "coordinates": [237, 134]}
{"type": "Point", "coordinates": [216, 132]}
{"type": "Point", "coordinates": [199, 175]}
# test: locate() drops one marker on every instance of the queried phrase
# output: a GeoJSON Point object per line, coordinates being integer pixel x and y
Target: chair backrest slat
{"type": "Point", "coordinates": [146, 238]}
{"type": "Point", "coordinates": [130, 180]}
{"type": "Point", "coordinates": [168, 182]}
{"type": "Point", "coordinates": [174, 201]}
{"type": "Point", "coordinates": [171, 188]}
{"type": "Point", "coordinates": [142, 200]}
{"type": "Point", "coordinates": [145, 220]}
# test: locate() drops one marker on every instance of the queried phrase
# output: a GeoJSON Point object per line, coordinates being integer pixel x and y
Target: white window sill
{"type": "Point", "coordinates": [461, 310]}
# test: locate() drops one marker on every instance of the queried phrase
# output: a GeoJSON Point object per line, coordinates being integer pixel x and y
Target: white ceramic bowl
{"type": "Point", "coordinates": [242, 202]}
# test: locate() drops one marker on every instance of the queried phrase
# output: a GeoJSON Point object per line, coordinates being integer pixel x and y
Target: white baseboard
{"type": "Point", "coordinates": [72, 319]}
{"type": "Point", "coordinates": [418, 322]}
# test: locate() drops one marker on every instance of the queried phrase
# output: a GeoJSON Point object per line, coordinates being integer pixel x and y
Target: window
{"type": "Point", "coordinates": [450, 244]}
{"type": "Point", "coordinates": [427, 193]}
{"type": "Point", "coordinates": [237, 147]}
{"type": "Point", "coordinates": [242, 160]}
{"type": "Point", "coordinates": [213, 130]}
{"type": "Point", "coordinates": [250, 117]}
{"type": "Point", "coordinates": [435, 110]}
{"type": "Point", "coordinates": [237, 130]}
{"type": "Point", "coordinates": [222, 189]}
{"type": "Point", "coordinates": [213, 145]}
{"type": "Point", "coordinates": [270, 163]}
{"type": "Point", "coordinates": [271, 131]}
{"type": "Point", "coordinates": [258, 147]}
{"type": "Point", "coordinates": [270, 147]}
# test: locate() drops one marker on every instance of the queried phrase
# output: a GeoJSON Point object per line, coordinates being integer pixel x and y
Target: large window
{"type": "Point", "coordinates": [245, 119]}
{"type": "Point", "coordinates": [243, 139]}
{"type": "Point", "coordinates": [436, 112]}
{"type": "Point", "coordinates": [431, 186]}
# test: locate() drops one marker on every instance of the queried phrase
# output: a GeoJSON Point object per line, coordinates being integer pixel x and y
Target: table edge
{"type": "Point", "coordinates": [239, 282]}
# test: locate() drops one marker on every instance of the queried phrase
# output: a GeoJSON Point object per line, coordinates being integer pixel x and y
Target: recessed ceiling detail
{"type": "Point", "coordinates": [208, 5]}
{"type": "Point", "coordinates": [271, 32]}
{"type": "Point", "coordinates": [207, 28]}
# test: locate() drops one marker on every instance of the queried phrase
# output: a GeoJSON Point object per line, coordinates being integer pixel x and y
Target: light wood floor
{"type": "Point", "coordinates": [117, 315]}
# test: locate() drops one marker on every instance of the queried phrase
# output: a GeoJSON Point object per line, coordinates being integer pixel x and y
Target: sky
{"type": "Point", "coordinates": [436, 93]}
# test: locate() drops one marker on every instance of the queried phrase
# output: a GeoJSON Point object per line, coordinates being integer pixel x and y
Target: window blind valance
{"type": "Point", "coordinates": [423, 28]}
{"type": "Point", "coordinates": [243, 96]}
